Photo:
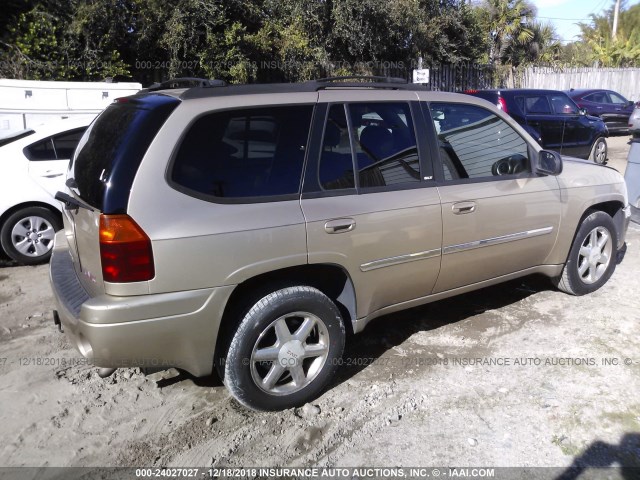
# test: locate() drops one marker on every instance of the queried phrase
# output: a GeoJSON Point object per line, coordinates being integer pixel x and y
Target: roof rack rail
{"type": "Point", "coordinates": [184, 82]}
{"type": "Point", "coordinates": [371, 78]}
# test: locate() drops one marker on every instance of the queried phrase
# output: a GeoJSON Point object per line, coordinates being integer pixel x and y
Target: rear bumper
{"type": "Point", "coordinates": [177, 329]}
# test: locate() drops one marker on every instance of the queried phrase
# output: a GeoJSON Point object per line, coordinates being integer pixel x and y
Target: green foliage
{"type": "Point", "coordinates": [604, 50]}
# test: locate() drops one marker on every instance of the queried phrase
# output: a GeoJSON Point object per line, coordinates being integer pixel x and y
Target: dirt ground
{"type": "Point", "coordinates": [514, 375]}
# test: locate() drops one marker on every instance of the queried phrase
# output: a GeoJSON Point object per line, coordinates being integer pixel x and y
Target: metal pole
{"type": "Point", "coordinates": [616, 12]}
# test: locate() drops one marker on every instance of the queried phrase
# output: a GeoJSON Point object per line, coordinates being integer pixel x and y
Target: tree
{"type": "Point", "coordinates": [623, 51]}
{"type": "Point", "coordinates": [506, 22]}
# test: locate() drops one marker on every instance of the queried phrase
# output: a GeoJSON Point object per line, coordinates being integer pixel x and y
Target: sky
{"type": "Point", "coordinates": [565, 14]}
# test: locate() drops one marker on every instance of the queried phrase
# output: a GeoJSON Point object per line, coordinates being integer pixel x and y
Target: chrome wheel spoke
{"type": "Point", "coordinates": [593, 240]}
{"type": "Point", "coordinates": [40, 248]}
{"type": "Point", "coordinates": [315, 350]}
{"type": "Point", "coordinates": [23, 246]}
{"type": "Point", "coordinates": [48, 234]}
{"type": "Point", "coordinates": [297, 373]}
{"type": "Point", "coordinates": [604, 259]}
{"type": "Point", "coordinates": [585, 251]}
{"type": "Point", "coordinates": [19, 230]}
{"type": "Point", "coordinates": [273, 376]}
{"type": "Point", "coordinates": [602, 242]}
{"type": "Point", "coordinates": [584, 266]}
{"type": "Point", "coordinates": [282, 331]}
{"type": "Point", "coordinates": [305, 329]}
{"type": "Point", "coordinates": [269, 354]}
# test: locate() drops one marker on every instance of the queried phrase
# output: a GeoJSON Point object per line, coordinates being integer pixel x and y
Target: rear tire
{"type": "Point", "coordinates": [285, 350]}
{"type": "Point", "coordinates": [599, 151]}
{"type": "Point", "coordinates": [27, 235]}
{"type": "Point", "coordinates": [592, 259]}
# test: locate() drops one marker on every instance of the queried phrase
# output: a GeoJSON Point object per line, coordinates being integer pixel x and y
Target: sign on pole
{"type": "Point", "coordinates": [421, 75]}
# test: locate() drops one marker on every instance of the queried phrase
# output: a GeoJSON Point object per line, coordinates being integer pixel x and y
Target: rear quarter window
{"type": "Point", "coordinates": [244, 153]}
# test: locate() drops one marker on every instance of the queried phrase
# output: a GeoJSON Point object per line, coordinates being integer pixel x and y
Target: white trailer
{"type": "Point", "coordinates": [28, 103]}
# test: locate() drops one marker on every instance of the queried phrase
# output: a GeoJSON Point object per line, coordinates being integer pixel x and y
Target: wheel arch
{"type": "Point", "coordinates": [10, 211]}
{"type": "Point", "coordinates": [332, 280]}
{"type": "Point", "coordinates": [613, 208]}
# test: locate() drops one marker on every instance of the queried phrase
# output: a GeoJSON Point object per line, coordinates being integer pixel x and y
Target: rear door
{"type": "Point", "coordinates": [369, 199]}
{"type": "Point", "coordinates": [620, 110]}
{"type": "Point", "coordinates": [498, 218]}
{"type": "Point", "coordinates": [49, 159]}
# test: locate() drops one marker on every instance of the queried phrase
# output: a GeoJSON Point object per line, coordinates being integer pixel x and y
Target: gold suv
{"type": "Point", "coordinates": [248, 228]}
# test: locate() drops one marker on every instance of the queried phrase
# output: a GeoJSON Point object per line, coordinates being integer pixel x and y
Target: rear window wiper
{"type": "Point", "coordinates": [71, 203]}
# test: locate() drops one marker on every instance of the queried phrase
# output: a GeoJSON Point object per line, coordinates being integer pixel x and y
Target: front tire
{"type": "Point", "coordinates": [599, 151]}
{"type": "Point", "coordinates": [27, 235]}
{"type": "Point", "coordinates": [285, 350]}
{"type": "Point", "coordinates": [592, 259]}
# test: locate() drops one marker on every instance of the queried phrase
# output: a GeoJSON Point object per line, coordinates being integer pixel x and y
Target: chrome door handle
{"type": "Point", "coordinates": [340, 225]}
{"type": "Point", "coordinates": [463, 207]}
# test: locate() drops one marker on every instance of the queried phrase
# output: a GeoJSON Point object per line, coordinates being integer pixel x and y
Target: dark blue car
{"type": "Point", "coordinates": [610, 106]}
{"type": "Point", "coordinates": [554, 120]}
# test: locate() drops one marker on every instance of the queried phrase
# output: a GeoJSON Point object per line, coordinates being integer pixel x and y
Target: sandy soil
{"type": "Point", "coordinates": [514, 375]}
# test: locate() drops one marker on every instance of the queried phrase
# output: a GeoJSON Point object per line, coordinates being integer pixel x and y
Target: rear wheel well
{"type": "Point", "coordinates": [332, 280]}
{"type": "Point", "coordinates": [15, 208]}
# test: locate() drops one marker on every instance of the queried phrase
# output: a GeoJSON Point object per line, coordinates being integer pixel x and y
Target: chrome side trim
{"type": "Point", "coordinates": [410, 257]}
{"type": "Point", "coordinates": [512, 237]}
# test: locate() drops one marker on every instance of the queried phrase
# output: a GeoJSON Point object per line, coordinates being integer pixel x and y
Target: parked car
{"type": "Point", "coordinates": [33, 165]}
{"type": "Point", "coordinates": [634, 121]}
{"type": "Point", "coordinates": [554, 120]}
{"type": "Point", "coordinates": [248, 228]}
{"type": "Point", "coordinates": [612, 107]}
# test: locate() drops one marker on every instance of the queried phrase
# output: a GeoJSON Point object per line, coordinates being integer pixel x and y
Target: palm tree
{"type": "Point", "coordinates": [506, 22]}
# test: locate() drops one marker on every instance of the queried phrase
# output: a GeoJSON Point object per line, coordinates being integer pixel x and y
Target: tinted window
{"type": "Point", "coordinates": [385, 144]}
{"type": "Point", "coordinates": [245, 153]}
{"type": "Point", "coordinates": [42, 150]}
{"type": "Point", "coordinates": [66, 143]}
{"type": "Point", "coordinates": [336, 161]}
{"type": "Point", "coordinates": [538, 104]}
{"type": "Point", "coordinates": [476, 143]}
{"type": "Point", "coordinates": [562, 104]}
{"type": "Point", "coordinates": [617, 99]}
{"type": "Point", "coordinates": [109, 153]}
{"type": "Point", "coordinates": [597, 97]}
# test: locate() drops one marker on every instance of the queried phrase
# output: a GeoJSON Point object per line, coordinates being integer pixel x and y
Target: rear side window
{"type": "Point", "coordinates": [476, 143]}
{"type": "Point", "coordinates": [42, 150]}
{"type": "Point", "coordinates": [538, 104]}
{"type": "Point", "coordinates": [255, 152]}
{"type": "Point", "coordinates": [57, 147]}
{"type": "Point", "coordinates": [110, 151]}
{"type": "Point", "coordinates": [66, 143]}
{"type": "Point", "coordinates": [384, 144]}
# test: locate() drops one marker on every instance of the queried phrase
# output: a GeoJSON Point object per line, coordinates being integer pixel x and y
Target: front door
{"type": "Point", "coordinates": [498, 218]}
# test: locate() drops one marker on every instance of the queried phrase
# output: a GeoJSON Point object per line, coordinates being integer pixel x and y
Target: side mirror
{"type": "Point", "coordinates": [582, 111]}
{"type": "Point", "coordinates": [549, 163]}
{"type": "Point", "coordinates": [631, 103]}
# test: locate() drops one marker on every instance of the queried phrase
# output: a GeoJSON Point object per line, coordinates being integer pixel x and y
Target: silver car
{"type": "Point", "coordinates": [248, 228]}
{"type": "Point", "coordinates": [634, 121]}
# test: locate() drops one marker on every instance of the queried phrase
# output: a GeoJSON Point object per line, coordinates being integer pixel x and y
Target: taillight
{"type": "Point", "coordinates": [502, 104]}
{"type": "Point", "coordinates": [125, 250]}
{"type": "Point", "coordinates": [471, 91]}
